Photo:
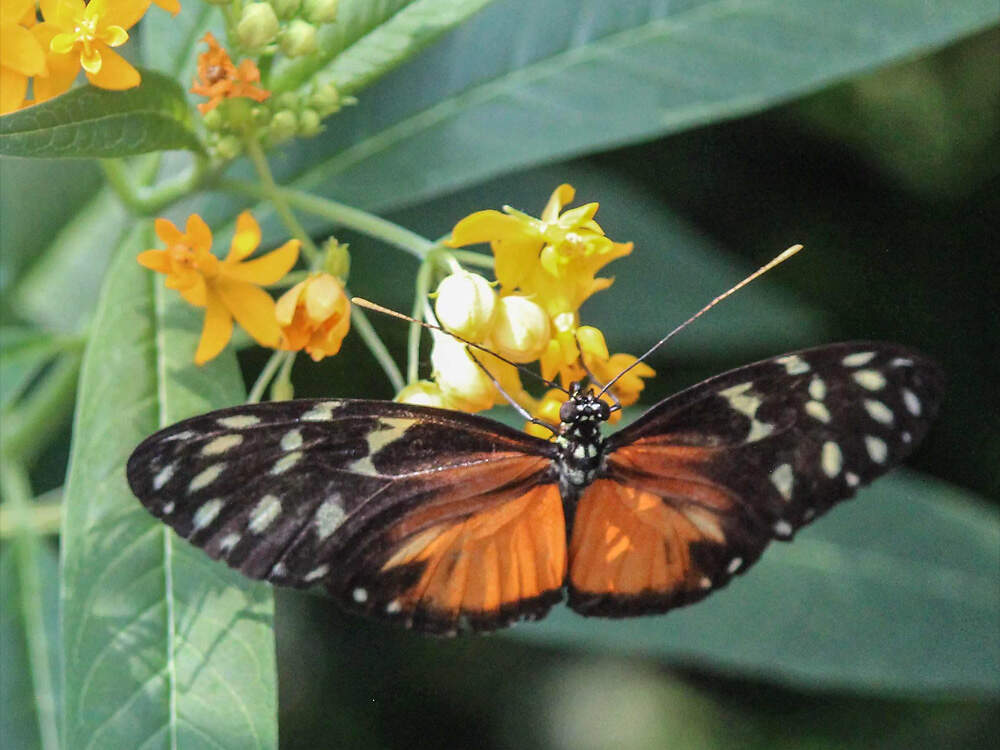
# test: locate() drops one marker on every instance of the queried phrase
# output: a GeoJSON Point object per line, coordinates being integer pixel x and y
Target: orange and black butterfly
{"type": "Point", "coordinates": [443, 521]}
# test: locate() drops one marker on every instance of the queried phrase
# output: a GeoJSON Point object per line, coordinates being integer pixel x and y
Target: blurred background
{"type": "Point", "coordinates": [891, 182]}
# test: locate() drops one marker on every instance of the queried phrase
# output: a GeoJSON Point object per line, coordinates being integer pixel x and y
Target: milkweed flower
{"type": "Point", "coordinates": [314, 315]}
{"type": "Point", "coordinates": [466, 305]}
{"type": "Point", "coordinates": [228, 288]}
{"type": "Point", "coordinates": [82, 35]}
{"type": "Point", "coordinates": [21, 53]}
{"type": "Point", "coordinates": [218, 78]}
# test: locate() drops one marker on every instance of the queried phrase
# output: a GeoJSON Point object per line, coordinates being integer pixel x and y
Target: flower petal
{"type": "Point", "coordinates": [171, 6]}
{"type": "Point", "coordinates": [284, 309]}
{"type": "Point", "coordinates": [560, 197]}
{"type": "Point", "coordinates": [267, 269]}
{"type": "Point", "coordinates": [115, 36]}
{"type": "Point", "coordinates": [90, 56]}
{"type": "Point", "coordinates": [115, 73]}
{"type": "Point", "coordinates": [198, 233]}
{"type": "Point", "coordinates": [156, 260]}
{"type": "Point", "coordinates": [216, 332]}
{"type": "Point", "coordinates": [485, 226]}
{"type": "Point", "coordinates": [63, 13]}
{"type": "Point", "coordinates": [21, 52]}
{"type": "Point", "coordinates": [168, 232]}
{"type": "Point", "coordinates": [124, 13]}
{"type": "Point", "coordinates": [12, 11]}
{"type": "Point", "coordinates": [253, 309]}
{"type": "Point", "coordinates": [246, 239]}
{"type": "Point", "coordinates": [62, 68]}
{"type": "Point", "coordinates": [13, 87]}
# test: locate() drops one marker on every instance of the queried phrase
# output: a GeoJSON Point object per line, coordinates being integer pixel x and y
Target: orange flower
{"type": "Point", "coordinates": [218, 79]}
{"type": "Point", "coordinates": [314, 315]}
{"type": "Point", "coordinates": [227, 288]}
{"type": "Point", "coordinates": [21, 54]}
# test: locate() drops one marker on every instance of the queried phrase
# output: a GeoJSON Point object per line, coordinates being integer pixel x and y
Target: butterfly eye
{"type": "Point", "coordinates": [603, 412]}
{"type": "Point", "coordinates": [567, 411]}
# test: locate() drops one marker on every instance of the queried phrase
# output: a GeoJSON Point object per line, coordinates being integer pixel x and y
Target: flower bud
{"type": "Point", "coordinates": [463, 383]}
{"type": "Point", "coordinates": [228, 147]}
{"type": "Point", "coordinates": [285, 9]}
{"type": "Point", "coordinates": [212, 120]}
{"type": "Point", "coordinates": [422, 393]}
{"type": "Point", "coordinates": [337, 259]}
{"type": "Point", "coordinates": [466, 305]}
{"type": "Point", "coordinates": [521, 329]}
{"type": "Point", "coordinates": [309, 122]}
{"type": "Point", "coordinates": [325, 99]}
{"type": "Point", "coordinates": [320, 11]}
{"type": "Point", "coordinates": [282, 390]}
{"type": "Point", "coordinates": [314, 315]}
{"type": "Point", "coordinates": [283, 126]}
{"type": "Point", "coordinates": [298, 38]}
{"type": "Point", "coordinates": [258, 26]}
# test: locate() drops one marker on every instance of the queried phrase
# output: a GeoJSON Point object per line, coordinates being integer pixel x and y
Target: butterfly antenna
{"type": "Point", "coordinates": [362, 302]}
{"type": "Point", "coordinates": [759, 272]}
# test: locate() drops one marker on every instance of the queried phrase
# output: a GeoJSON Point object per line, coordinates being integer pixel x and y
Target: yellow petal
{"type": "Point", "coordinates": [116, 73]}
{"type": "Point", "coordinates": [62, 68]}
{"type": "Point", "coordinates": [115, 36]}
{"type": "Point", "coordinates": [156, 260]}
{"type": "Point", "coordinates": [560, 197]}
{"type": "Point", "coordinates": [323, 294]}
{"type": "Point", "coordinates": [284, 309]}
{"type": "Point", "coordinates": [198, 233]}
{"type": "Point", "coordinates": [171, 6]}
{"type": "Point", "coordinates": [484, 226]}
{"type": "Point", "coordinates": [12, 11]}
{"type": "Point", "coordinates": [20, 51]}
{"type": "Point", "coordinates": [246, 239]}
{"type": "Point", "coordinates": [124, 13]}
{"type": "Point", "coordinates": [62, 44]}
{"type": "Point", "coordinates": [253, 309]}
{"type": "Point", "coordinates": [267, 269]}
{"type": "Point", "coordinates": [90, 59]}
{"type": "Point", "coordinates": [63, 13]}
{"type": "Point", "coordinates": [13, 87]}
{"type": "Point", "coordinates": [216, 332]}
{"type": "Point", "coordinates": [195, 292]}
{"type": "Point", "coordinates": [168, 233]}
{"type": "Point", "coordinates": [592, 341]}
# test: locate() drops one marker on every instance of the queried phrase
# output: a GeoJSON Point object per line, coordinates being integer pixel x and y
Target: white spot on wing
{"type": "Point", "coordinates": [393, 607]}
{"type": "Point", "coordinates": [264, 513]}
{"type": "Point", "coordinates": [221, 444]}
{"type": "Point", "coordinates": [734, 565]}
{"type": "Point", "coordinates": [876, 448]}
{"type": "Point", "coordinates": [205, 514]}
{"type": "Point", "coordinates": [873, 380]}
{"type": "Point", "coordinates": [902, 362]}
{"type": "Point", "coordinates": [239, 421]}
{"type": "Point", "coordinates": [878, 411]}
{"type": "Point", "coordinates": [316, 573]}
{"type": "Point", "coordinates": [782, 478]}
{"type": "Point", "coordinates": [360, 595]}
{"type": "Point", "coordinates": [817, 410]}
{"type": "Point", "coordinates": [705, 583]}
{"type": "Point", "coordinates": [831, 460]}
{"type": "Point", "coordinates": [911, 402]}
{"type": "Point", "coordinates": [168, 508]}
{"type": "Point", "coordinates": [286, 462]}
{"type": "Point", "coordinates": [163, 476]}
{"type": "Point", "coordinates": [291, 440]}
{"type": "Point", "coordinates": [857, 359]}
{"type": "Point", "coordinates": [907, 437]}
{"type": "Point", "coordinates": [747, 404]}
{"type": "Point", "coordinates": [852, 479]}
{"type": "Point", "coordinates": [817, 388]}
{"type": "Point", "coordinates": [206, 477]}
{"type": "Point", "coordinates": [390, 429]}
{"type": "Point", "coordinates": [782, 528]}
{"type": "Point", "coordinates": [228, 542]}
{"type": "Point", "coordinates": [182, 435]}
{"type": "Point", "coordinates": [321, 412]}
{"type": "Point", "coordinates": [794, 364]}
{"type": "Point", "coordinates": [329, 515]}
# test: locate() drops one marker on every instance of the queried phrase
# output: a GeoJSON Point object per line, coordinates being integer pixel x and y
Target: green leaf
{"type": "Point", "coordinates": [92, 122]}
{"type": "Point", "coordinates": [29, 591]}
{"type": "Point", "coordinates": [23, 353]}
{"type": "Point", "coordinates": [162, 646]}
{"type": "Point", "coordinates": [893, 592]}
{"type": "Point", "coordinates": [569, 80]}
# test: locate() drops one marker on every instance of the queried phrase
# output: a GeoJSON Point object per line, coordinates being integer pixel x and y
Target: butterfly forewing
{"type": "Point", "coordinates": [381, 504]}
{"type": "Point", "coordinates": [699, 485]}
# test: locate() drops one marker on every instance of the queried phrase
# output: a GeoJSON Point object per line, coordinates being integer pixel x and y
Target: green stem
{"type": "Point", "coordinates": [421, 288]}
{"type": "Point", "coordinates": [44, 518]}
{"type": "Point", "coordinates": [275, 195]}
{"type": "Point", "coordinates": [340, 214]}
{"type": "Point", "coordinates": [17, 495]}
{"type": "Point", "coordinates": [146, 201]}
{"type": "Point", "coordinates": [364, 328]}
{"type": "Point", "coordinates": [472, 258]}
{"type": "Point", "coordinates": [28, 428]}
{"type": "Point", "coordinates": [257, 392]}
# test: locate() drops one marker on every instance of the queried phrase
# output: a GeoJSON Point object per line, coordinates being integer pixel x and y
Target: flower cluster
{"type": "Point", "coordinates": [73, 35]}
{"type": "Point", "coordinates": [546, 268]}
{"type": "Point", "coordinates": [289, 24]}
{"type": "Point", "coordinates": [313, 315]}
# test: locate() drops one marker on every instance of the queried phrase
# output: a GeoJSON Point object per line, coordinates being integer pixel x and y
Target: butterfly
{"type": "Point", "coordinates": [444, 521]}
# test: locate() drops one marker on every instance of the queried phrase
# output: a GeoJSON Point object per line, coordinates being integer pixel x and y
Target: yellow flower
{"type": "Point", "coordinates": [314, 315]}
{"type": "Point", "coordinates": [423, 393]}
{"type": "Point", "coordinates": [82, 35]}
{"type": "Point", "coordinates": [521, 330]}
{"type": "Point", "coordinates": [227, 288]}
{"type": "Point", "coordinates": [21, 53]}
{"type": "Point", "coordinates": [466, 305]}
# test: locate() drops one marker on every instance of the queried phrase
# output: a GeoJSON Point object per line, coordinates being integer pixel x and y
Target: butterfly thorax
{"type": "Point", "coordinates": [581, 446]}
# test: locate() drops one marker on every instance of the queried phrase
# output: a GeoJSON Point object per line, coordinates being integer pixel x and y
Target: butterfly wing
{"type": "Point", "coordinates": [430, 517]}
{"type": "Point", "coordinates": [696, 488]}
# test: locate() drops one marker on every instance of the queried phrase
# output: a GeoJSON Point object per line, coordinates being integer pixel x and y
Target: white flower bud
{"type": "Point", "coordinates": [286, 8]}
{"type": "Point", "coordinates": [258, 26]}
{"type": "Point", "coordinates": [422, 393]}
{"type": "Point", "coordinates": [521, 329]}
{"type": "Point", "coordinates": [298, 38]}
{"type": "Point", "coordinates": [320, 11]}
{"type": "Point", "coordinates": [466, 305]}
{"type": "Point", "coordinates": [463, 383]}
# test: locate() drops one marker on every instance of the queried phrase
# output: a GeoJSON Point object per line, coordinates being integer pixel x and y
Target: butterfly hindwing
{"type": "Point", "coordinates": [696, 488]}
{"type": "Point", "coordinates": [389, 507]}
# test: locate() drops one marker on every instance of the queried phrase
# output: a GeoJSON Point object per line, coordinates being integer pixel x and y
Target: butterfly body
{"type": "Point", "coordinates": [444, 521]}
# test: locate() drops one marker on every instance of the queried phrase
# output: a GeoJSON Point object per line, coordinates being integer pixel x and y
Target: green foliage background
{"type": "Point", "coordinates": [714, 134]}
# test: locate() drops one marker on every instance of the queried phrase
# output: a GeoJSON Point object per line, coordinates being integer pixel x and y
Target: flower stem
{"type": "Point", "coordinates": [146, 201]}
{"type": "Point", "coordinates": [375, 345]}
{"type": "Point", "coordinates": [260, 385]}
{"type": "Point", "coordinates": [27, 428]}
{"type": "Point", "coordinates": [16, 489]}
{"type": "Point", "coordinates": [340, 214]}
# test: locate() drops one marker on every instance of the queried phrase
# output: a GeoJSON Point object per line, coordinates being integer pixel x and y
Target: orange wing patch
{"type": "Point", "coordinates": [632, 552]}
{"type": "Point", "coordinates": [489, 568]}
